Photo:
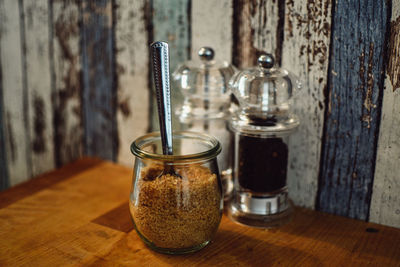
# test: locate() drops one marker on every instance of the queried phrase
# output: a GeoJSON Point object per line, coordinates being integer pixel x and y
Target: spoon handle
{"type": "Point", "coordinates": [160, 62]}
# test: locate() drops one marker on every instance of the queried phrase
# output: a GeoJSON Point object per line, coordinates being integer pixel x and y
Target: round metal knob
{"type": "Point", "coordinates": [206, 53]}
{"type": "Point", "coordinates": [266, 61]}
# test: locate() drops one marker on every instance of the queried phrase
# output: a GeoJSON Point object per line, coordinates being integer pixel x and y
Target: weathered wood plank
{"type": "Point", "coordinates": [212, 26]}
{"type": "Point", "coordinates": [66, 66]}
{"type": "Point", "coordinates": [64, 209]}
{"type": "Point", "coordinates": [4, 180]}
{"type": "Point", "coordinates": [45, 180]}
{"type": "Point", "coordinates": [355, 85]}
{"type": "Point", "coordinates": [306, 54]}
{"type": "Point", "coordinates": [59, 225]}
{"type": "Point", "coordinates": [14, 96]}
{"type": "Point", "coordinates": [257, 27]}
{"type": "Point", "coordinates": [132, 61]}
{"type": "Point", "coordinates": [170, 22]}
{"type": "Point", "coordinates": [312, 239]}
{"type": "Point", "coordinates": [385, 203]}
{"type": "Point", "coordinates": [99, 92]}
{"type": "Point", "coordinates": [38, 82]}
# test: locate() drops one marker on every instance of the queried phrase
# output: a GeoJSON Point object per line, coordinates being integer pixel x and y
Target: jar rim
{"type": "Point", "coordinates": [207, 154]}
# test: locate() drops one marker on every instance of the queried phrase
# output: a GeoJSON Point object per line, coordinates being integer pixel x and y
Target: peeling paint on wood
{"type": "Point", "coordinates": [38, 84]}
{"type": "Point", "coordinates": [171, 22]}
{"type": "Point", "coordinates": [10, 141]}
{"type": "Point", "coordinates": [132, 59]}
{"type": "Point", "coordinates": [257, 27]}
{"type": "Point", "coordinates": [393, 68]}
{"type": "Point", "coordinates": [75, 79]}
{"type": "Point", "coordinates": [99, 91]}
{"type": "Point", "coordinates": [39, 126]}
{"type": "Point", "coordinates": [15, 123]}
{"type": "Point", "coordinates": [385, 203]}
{"type": "Point", "coordinates": [352, 123]}
{"type": "Point", "coordinates": [306, 52]}
{"type": "Point", "coordinates": [66, 67]}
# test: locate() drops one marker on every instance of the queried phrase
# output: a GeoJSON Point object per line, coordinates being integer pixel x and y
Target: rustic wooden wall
{"type": "Point", "coordinates": [75, 79]}
{"type": "Point", "coordinates": [385, 204]}
{"type": "Point", "coordinates": [355, 86]}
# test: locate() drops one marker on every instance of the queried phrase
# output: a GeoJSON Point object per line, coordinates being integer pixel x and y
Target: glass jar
{"type": "Point", "coordinates": [176, 200]}
{"type": "Point", "coordinates": [203, 83]}
{"type": "Point", "coordinates": [261, 128]}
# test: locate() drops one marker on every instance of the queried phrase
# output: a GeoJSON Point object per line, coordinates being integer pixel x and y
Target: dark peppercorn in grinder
{"type": "Point", "coordinates": [261, 128]}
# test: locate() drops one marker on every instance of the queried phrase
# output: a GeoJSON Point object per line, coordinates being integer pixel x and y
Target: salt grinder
{"type": "Point", "coordinates": [203, 83]}
{"type": "Point", "coordinates": [261, 127]}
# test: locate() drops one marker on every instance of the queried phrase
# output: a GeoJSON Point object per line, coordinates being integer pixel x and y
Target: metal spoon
{"type": "Point", "coordinates": [160, 63]}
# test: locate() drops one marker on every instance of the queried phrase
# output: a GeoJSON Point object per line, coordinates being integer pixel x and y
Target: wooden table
{"type": "Point", "coordinates": [79, 215]}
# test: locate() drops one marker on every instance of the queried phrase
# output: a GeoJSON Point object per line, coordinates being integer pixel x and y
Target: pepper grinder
{"type": "Point", "coordinates": [261, 127]}
{"type": "Point", "coordinates": [203, 82]}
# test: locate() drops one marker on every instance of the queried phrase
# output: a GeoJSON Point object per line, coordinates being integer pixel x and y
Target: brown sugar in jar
{"type": "Point", "coordinates": [177, 212]}
{"type": "Point", "coordinates": [176, 200]}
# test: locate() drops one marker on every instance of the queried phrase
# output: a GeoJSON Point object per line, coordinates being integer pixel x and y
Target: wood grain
{"type": "Point", "coordinates": [355, 85]}
{"type": "Point", "coordinates": [45, 180]}
{"type": "Point", "coordinates": [312, 239]}
{"type": "Point", "coordinates": [99, 92]}
{"type": "Point", "coordinates": [75, 80]}
{"type": "Point", "coordinates": [59, 225]}
{"type": "Point", "coordinates": [132, 62]}
{"type": "Point", "coordinates": [171, 22]}
{"type": "Point", "coordinates": [38, 84]}
{"type": "Point", "coordinates": [55, 221]}
{"type": "Point", "coordinates": [385, 203]}
{"type": "Point", "coordinates": [257, 27]}
{"type": "Point", "coordinates": [66, 78]}
{"type": "Point", "coordinates": [306, 54]}
{"type": "Point", "coordinates": [393, 64]}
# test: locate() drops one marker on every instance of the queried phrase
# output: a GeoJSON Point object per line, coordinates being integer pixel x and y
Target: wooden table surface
{"type": "Point", "coordinates": [79, 215]}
